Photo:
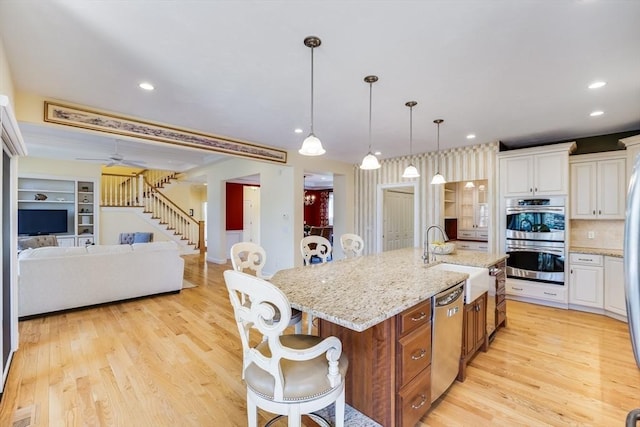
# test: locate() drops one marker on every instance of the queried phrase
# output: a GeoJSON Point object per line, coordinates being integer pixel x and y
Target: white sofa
{"type": "Point", "coordinates": [60, 278]}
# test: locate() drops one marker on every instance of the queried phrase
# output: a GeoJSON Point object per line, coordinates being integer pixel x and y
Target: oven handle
{"type": "Point", "coordinates": [541, 249]}
{"type": "Point", "coordinates": [533, 209]}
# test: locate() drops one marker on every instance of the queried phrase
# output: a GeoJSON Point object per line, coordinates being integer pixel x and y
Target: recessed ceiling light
{"type": "Point", "coordinates": [471, 136]}
{"type": "Point", "coordinates": [596, 85]}
{"type": "Point", "coordinates": [146, 86]}
{"type": "Point", "coordinates": [377, 153]}
{"type": "Point", "coordinates": [297, 130]}
{"type": "Point", "coordinates": [596, 113]}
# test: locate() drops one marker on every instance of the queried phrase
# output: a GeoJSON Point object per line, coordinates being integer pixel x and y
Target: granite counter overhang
{"type": "Point", "coordinates": [618, 253]}
{"type": "Point", "coordinates": [361, 292]}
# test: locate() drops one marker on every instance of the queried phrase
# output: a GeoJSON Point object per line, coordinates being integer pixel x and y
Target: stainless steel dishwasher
{"type": "Point", "coordinates": [448, 310]}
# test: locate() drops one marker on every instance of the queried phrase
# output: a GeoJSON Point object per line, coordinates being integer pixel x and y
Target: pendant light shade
{"type": "Point", "coordinates": [438, 178]}
{"type": "Point", "coordinates": [312, 146]}
{"type": "Point", "coordinates": [370, 161]}
{"type": "Point", "coordinates": [411, 171]}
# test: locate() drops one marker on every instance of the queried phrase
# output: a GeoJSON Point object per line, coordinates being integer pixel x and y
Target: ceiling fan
{"type": "Point", "coordinates": [117, 159]}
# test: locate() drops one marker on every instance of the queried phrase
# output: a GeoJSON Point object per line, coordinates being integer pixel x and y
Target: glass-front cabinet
{"type": "Point", "coordinates": [473, 210]}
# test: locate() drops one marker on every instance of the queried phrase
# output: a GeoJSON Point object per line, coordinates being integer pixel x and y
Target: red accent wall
{"type": "Point", "coordinates": [313, 213]}
{"type": "Point", "coordinates": [235, 204]}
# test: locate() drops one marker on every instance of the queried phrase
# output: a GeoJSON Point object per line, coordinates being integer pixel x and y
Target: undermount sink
{"type": "Point", "coordinates": [478, 282]}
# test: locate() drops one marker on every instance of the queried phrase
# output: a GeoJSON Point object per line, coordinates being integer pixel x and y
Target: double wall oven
{"type": "Point", "coordinates": [535, 239]}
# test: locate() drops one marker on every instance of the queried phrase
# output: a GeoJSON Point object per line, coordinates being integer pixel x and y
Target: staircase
{"type": "Point", "coordinates": [143, 191]}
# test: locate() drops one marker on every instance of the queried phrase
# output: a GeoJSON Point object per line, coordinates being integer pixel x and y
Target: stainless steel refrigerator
{"type": "Point", "coordinates": [631, 260]}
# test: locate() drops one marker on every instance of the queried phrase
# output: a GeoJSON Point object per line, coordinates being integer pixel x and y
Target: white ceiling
{"type": "Point", "coordinates": [512, 71]}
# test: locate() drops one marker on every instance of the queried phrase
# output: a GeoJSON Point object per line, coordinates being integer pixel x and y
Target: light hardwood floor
{"type": "Point", "coordinates": [175, 360]}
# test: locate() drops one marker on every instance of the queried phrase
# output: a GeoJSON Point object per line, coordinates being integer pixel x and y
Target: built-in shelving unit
{"type": "Point", "coordinates": [76, 196]}
{"type": "Point", "coordinates": [450, 200]}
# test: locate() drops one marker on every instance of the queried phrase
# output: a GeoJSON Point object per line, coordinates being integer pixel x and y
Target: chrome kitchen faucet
{"type": "Point", "coordinates": [445, 238]}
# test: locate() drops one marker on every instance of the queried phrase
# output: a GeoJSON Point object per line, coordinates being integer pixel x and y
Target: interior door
{"type": "Point", "coordinates": [251, 214]}
{"type": "Point", "coordinates": [397, 219]}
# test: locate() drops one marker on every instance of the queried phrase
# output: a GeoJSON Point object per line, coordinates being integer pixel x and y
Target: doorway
{"type": "Point", "coordinates": [398, 217]}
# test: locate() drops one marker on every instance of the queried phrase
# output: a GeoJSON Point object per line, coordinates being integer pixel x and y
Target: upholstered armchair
{"type": "Point", "coordinates": [33, 242]}
{"type": "Point", "coordinates": [137, 237]}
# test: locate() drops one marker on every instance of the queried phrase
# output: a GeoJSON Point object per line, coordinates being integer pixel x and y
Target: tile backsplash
{"type": "Point", "coordinates": [608, 234]}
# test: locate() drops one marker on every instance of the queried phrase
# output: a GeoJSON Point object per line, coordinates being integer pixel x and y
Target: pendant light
{"type": "Point", "coordinates": [370, 161]}
{"type": "Point", "coordinates": [437, 178]}
{"type": "Point", "coordinates": [411, 171]}
{"type": "Point", "coordinates": [312, 146]}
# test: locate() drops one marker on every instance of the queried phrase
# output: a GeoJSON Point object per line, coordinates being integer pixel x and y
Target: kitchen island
{"type": "Point", "coordinates": [379, 306]}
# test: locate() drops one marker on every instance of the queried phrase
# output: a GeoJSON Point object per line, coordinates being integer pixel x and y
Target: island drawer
{"type": "Point", "coordinates": [414, 400]}
{"type": "Point", "coordinates": [414, 351]}
{"type": "Point", "coordinates": [418, 315]}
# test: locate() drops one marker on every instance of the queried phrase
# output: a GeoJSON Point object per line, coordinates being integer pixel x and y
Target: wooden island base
{"type": "Point", "coordinates": [389, 376]}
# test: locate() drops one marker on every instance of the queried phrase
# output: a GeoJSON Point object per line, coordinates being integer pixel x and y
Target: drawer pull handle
{"type": "Point", "coordinates": [423, 400]}
{"type": "Point", "coordinates": [553, 294]}
{"type": "Point", "coordinates": [516, 289]}
{"type": "Point", "coordinates": [422, 354]}
{"type": "Point", "coordinates": [422, 316]}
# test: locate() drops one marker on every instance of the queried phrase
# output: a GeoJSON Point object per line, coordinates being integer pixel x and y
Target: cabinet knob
{"type": "Point", "coordinates": [531, 190]}
{"type": "Point", "coordinates": [594, 212]}
{"type": "Point", "coordinates": [599, 212]}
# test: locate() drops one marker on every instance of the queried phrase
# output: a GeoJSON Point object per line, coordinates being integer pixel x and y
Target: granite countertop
{"type": "Point", "coordinates": [618, 253]}
{"type": "Point", "coordinates": [361, 292]}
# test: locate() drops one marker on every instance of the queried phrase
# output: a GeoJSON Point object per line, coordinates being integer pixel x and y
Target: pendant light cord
{"type": "Point", "coordinates": [312, 90]}
{"type": "Point", "coordinates": [438, 165]}
{"type": "Point", "coordinates": [370, 96]}
{"type": "Point", "coordinates": [411, 131]}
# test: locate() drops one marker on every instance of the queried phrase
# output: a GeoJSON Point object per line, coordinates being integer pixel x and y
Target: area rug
{"type": "Point", "coordinates": [187, 284]}
{"type": "Point", "coordinates": [352, 417]}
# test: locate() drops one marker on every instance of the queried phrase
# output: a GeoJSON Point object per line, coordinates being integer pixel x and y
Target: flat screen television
{"type": "Point", "coordinates": [42, 221]}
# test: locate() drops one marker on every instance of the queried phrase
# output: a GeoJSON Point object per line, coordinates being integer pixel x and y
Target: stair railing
{"type": "Point", "coordinates": [142, 190]}
{"type": "Point", "coordinates": [171, 215]}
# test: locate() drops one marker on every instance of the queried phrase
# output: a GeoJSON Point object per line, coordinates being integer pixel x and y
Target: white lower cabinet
{"type": "Point", "coordinates": [537, 292]}
{"type": "Point", "coordinates": [66, 241]}
{"type": "Point", "coordinates": [586, 282]}
{"type": "Point", "coordinates": [471, 245]}
{"type": "Point", "coordinates": [614, 296]}
{"type": "Point", "coordinates": [596, 284]}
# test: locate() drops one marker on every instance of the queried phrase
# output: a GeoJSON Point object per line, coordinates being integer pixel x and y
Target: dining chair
{"type": "Point", "coordinates": [287, 375]}
{"type": "Point", "coordinates": [352, 245]}
{"type": "Point", "coordinates": [249, 255]}
{"type": "Point", "coordinates": [314, 246]}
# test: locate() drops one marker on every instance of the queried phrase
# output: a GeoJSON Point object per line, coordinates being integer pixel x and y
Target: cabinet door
{"type": "Point", "coordinates": [551, 173]}
{"type": "Point", "coordinates": [480, 321]}
{"type": "Point", "coordinates": [583, 190]}
{"type": "Point", "coordinates": [586, 286]}
{"type": "Point", "coordinates": [516, 176]}
{"type": "Point", "coordinates": [466, 209]}
{"type": "Point", "coordinates": [614, 297]}
{"type": "Point", "coordinates": [481, 207]}
{"type": "Point", "coordinates": [612, 181]}
{"type": "Point", "coordinates": [469, 329]}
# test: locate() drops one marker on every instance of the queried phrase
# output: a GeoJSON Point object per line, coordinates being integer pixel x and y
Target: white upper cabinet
{"type": "Point", "coordinates": [539, 171]}
{"type": "Point", "coordinates": [598, 185]}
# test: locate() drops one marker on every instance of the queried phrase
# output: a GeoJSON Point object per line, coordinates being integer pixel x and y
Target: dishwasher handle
{"type": "Point", "coordinates": [450, 296]}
